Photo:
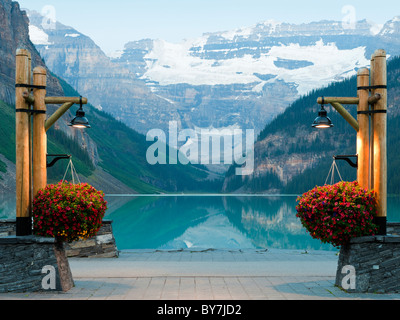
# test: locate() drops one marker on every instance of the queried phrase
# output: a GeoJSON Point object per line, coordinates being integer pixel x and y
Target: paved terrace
{"type": "Point", "coordinates": [205, 275]}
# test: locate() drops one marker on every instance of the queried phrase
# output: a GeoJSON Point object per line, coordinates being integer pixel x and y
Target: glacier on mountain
{"type": "Point", "coordinates": [242, 77]}
{"type": "Point", "coordinates": [38, 36]}
{"type": "Point", "coordinates": [170, 63]}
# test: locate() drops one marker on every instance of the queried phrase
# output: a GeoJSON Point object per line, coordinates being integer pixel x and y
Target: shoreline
{"type": "Point", "coordinates": [203, 195]}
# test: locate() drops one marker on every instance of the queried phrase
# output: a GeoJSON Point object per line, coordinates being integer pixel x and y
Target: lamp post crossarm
{"type": "Point", "coordinates": [53, 100]}
{"type": "Point", "coordinates": [349, 100]}
{"type": "Point", "coordinates": [341, 100]}
{"type": "Point", "coordinates": [62, 100]}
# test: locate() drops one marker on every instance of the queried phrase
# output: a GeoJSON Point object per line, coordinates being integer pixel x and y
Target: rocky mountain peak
{"type": "Point", "coordinates": [391, 29]}
{"type": "Point", "coordinates": [109, 86]}
{"type": "Point", "coordinates": [14, 34]}
{"type": "Point", "coordinates": [219, 79]}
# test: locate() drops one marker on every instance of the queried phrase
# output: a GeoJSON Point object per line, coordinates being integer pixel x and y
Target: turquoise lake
{"type": "Point", "coordinates": [217, 222]}
{"type": "Point", "coordinates": [205, 221]}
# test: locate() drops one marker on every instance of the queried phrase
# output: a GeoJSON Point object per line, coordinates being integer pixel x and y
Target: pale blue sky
{"type": "Point", "coordinates": [113, 23]}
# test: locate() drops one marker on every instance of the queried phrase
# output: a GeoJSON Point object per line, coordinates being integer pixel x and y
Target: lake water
{"type": "Point", "coordinates": [218, 222]}
{"type": "Point", "coordinates": [205, 221]}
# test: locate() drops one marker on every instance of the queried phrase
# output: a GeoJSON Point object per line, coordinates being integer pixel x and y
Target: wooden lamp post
{"type": "Point", "coordinates": [371, 135]}
{"type": "Point", "coordinates": [31, 142]}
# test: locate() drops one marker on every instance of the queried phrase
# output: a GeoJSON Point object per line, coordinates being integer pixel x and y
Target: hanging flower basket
{"type": "Point", "coordinates": [68, 212]}
{"type": "Point", "coordinates": [337, 213]}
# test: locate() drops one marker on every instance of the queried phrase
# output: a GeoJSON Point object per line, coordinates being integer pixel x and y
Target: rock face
{"type": "Point", "coordinates": [113, 156]}
{"type": "Point", "coordinates": [14, 34]}
{"type": "Point", "coordinates": [7, 179]}
{"type": "Point", "coordinates": [109, 87]}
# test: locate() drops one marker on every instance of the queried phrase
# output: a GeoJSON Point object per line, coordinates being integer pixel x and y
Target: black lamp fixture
{"type": "Point", "coordinates": [80, 121]}
{"type": "Point", "coordinates": [322, 121]}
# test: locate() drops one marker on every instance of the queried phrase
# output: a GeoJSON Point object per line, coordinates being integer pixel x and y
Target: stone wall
{"type": "Point", "coordinates": [393, 228]}
{"type": "Point", "coordinates": [370, 264]}
{"type": "Point", "coordinates": [103, 245]}
{"type": "Point", "coordinates": [7, 228]}
{"type": "Point", "coordinates": [25, 262]}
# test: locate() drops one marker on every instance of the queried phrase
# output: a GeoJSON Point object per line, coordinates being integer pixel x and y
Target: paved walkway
{"type": "Point", "coordinates": [205, 275]}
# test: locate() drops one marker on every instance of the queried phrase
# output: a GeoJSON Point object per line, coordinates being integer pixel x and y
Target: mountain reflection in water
{"type": "Point", "coordinates": [203, 222]}
{"type": "Point", "coordinates": [206, 221]}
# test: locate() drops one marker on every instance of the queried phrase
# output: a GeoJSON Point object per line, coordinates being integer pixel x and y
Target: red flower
{"type": "Point", "coordinates": [63, 213]}
{"type": "Point", "coordinates": [337, 222]}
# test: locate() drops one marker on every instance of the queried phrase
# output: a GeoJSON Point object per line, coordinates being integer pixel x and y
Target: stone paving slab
{"type": "Point", "coordinates": [205, 275]}
{"type": "Point", "coordinates": [203, 288]}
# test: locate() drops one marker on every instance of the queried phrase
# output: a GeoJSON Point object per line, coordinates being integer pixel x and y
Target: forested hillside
{"type": "Point", "coordinates": [122, 154]}
{"type": "Point", "coordinates": [110, 155]}
{"type": "Point", "coordinates": [292, 157]}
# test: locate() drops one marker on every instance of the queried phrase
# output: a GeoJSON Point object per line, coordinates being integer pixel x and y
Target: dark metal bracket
{"type": "Point", "coordinates": [57, 158]}
{"type": "Point", "coordinates": [371, 111]}
{"type": "Point", "coordinates": [372, 87]}
{"type": "Point", "coordinates": [30, 86]}
{"type": "Point", "coordinates": [347, 159]}
{"type": "Point", "coordinates": [31, 111]}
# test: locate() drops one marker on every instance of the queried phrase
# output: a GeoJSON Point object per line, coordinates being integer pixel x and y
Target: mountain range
{"type": "Point", "coordinates": [111, 156]}
{"type": "Point", "coordinates": [293, 157]}
{"type": "Point", "coordinates": [265, 77]}
{"type": "Point", "coordinates": [80, 62]}
{"type": "Point", "coordinates": [243, 77]}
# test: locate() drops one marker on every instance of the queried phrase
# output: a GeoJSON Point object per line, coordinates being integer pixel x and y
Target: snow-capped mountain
{"type": "Point", "coordinates": [391, 29]}
{"type": "Point", "coordinates": [250, 74]}
{"type": "Point", "coordinates": [306, 66]}
{"type": "Point", "coordinates": [242, 77]}
{"type": "Point", "coordinates": [259, 55]}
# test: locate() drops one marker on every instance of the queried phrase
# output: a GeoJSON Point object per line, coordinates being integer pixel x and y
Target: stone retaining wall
{"type": "Point", "coordinates": [7, 227]}
{"type": "Point", "coordinates": [370, 264]}
{"type": "Point", "coordinates": [103, 245]}
{"type": "Point", "coordinates": [393, 228]}
{"type": "Point", "coordinates": [31, 264]}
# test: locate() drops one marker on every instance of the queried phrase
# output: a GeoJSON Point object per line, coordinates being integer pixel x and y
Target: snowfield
{"type": "Point", "coordinates": [171, 63]}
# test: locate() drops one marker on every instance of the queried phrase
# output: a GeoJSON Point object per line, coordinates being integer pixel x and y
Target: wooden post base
{"type": "Point", "coordinates": [381, 223]}
{"type": "Point", "coordinates": [24, 226]}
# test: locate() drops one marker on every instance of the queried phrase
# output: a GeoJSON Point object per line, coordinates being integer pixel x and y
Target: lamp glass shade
{"type": "Point", "coordinates": [80, 121]}
{"type": "Point", "coordinates": [322, 121]}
